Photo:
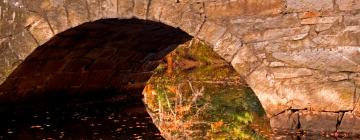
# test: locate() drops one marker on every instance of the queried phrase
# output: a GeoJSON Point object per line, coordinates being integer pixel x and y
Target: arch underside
{"type": "Point", "coordinates": [105, 56]}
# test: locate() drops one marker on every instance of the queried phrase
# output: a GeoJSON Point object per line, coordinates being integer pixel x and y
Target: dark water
{"type": "Point", "coordinates": [101, 120]}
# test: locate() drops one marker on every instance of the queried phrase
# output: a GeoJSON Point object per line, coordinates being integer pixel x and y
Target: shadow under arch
{"type": "Point", "coordinates": [104, 55]}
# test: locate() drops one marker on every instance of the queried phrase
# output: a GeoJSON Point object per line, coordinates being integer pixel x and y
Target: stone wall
{"type": "Point", "coordinates": [299, 56]}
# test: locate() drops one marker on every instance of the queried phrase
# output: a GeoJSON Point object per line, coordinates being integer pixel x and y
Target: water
{"type": "Point", "coordinates": [102, 120]}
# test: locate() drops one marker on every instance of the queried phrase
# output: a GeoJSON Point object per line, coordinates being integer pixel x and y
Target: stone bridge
{"type": "Point", "coordinates": [301, 57]}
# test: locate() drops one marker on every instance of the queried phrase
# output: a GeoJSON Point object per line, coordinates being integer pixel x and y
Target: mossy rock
{"type": "Point", "coordinates": [206, 101]}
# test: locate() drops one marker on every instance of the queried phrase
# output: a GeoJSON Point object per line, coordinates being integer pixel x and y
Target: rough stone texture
{"type": "Point", "coordinates": [243, 8]}
{"type": "Point", "coordinates": [347, 5]}
{"type": "Point", "coordinates": [321, 20]}
{"type": "Point", "coordinates": [245, 61]}
{"type": "Point", "coordinates": [318, 121]}
{"type": "Point", "coordinates": [347, 56]}
{"type": "Point", "coordinates": [350, 122]}
{"type": "Point", "coordinates": [272, 34]}
{"type": "Point", "coordinates": [299, 54]}
{"type": "Point", "coordinates": [227, 46]}
{"type": "Point", "coordinates": [77, 12]}
{"type": "Point", "coordinates": [284, 72]}
{"type": "Point", "coordinates": [289, 120]}
{"type": "Point", "coordinates": [263, 85]}
{"type": "Point", "coordinates": [308, 5]}
{"type": "Point", "coordinates": [212, 32]}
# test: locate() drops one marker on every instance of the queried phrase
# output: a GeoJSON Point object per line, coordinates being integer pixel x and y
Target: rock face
{"type": "Point", "coordinates": [298, 55]}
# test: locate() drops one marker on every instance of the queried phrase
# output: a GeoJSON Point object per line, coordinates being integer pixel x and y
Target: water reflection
{"type": "Point", "coordinates": [106, 120]}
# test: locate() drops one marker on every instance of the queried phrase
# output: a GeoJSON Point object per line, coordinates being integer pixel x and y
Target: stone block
{"type": "Point", "coordinates": [347, 5]}
{"type": "Point", "coordinates": [221, 9]}
{"type": "Point", "coordinates": [318, 121]}
{"type": "Point", "coordinates": [23, 44]}
{"type": "Point", "coordinates": [191, 22]}
{"type": "Point", "coordinates": [350, 123]}
{"type": "Point", "coordinates": [334, 96]}
{"type": "Point", "coordinates": [342, 58]}
{"type": "Point", "coordinates": [338, 76]}
{"type": "Point", "coordinates": [309, 5]}
{"type": "Point", "coordinates": [41, 31]}
{"type": "Point", "coordinates": [140, 8]}
{"type": "Point", "coordinates": [109, 8]}
{"type": "Point", "coordinates": [239, 29]}
{"type": "Point", "coordinates": [77, 12]}
{"type": "Point", "coordinates": [14, 19]}
{"type": "Point", "coordinates": [227, 46]}
{"type": "Point", "coordinates": [125, 8]}
{"type": "Point", "coordinates": [156, 8]}
{"type": "Point", "coordinates": [285, 121]}
{"type": "Point", "coordinates": [322, 27]}
{"type": "Point", "coordinates": [321, 20]}
{"type": "Point", "coordinates": [245, 61]}
{"type": "Point", "coordinates": [281, 21]}
{"type": "Point", "coordinates": [356, 109]}
{"type": "Point", "coordinates": [57, 17]}
{"type": "Point", "coordinates": [40, 5]}
{"type": "Point", "coordinates": [211, 32]}
{"type": "Point", "coordinates": [272, 34]}
{"type": "Point", "coordinates": [327, 96]}
{"type": "Point", "coordinates": [309, 14]}
{"type": "Point", "coordinates": [171, 14]}
{"type": "Point", "coordinates": [342, 39]}
{"type": "Point", "coordinates": [277, 64]}
{"type": "Point", "coordinates": [95, 10]}
{"type": "Point", "coordinates": [352, 19]}
{"type": "Point", "coordinates": [284, 72]}
{"type": "Point", "coordinates": [263, 84]}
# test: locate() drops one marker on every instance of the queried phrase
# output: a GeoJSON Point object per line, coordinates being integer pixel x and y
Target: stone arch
{"type": "Point", "coordinates": [37, 23]}
{"type": "Point", "coordinates": [281, 47]}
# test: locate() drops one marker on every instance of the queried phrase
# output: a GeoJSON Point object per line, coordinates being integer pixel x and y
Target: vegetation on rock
{"type": "Point", "coordinates": [192, 96]}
